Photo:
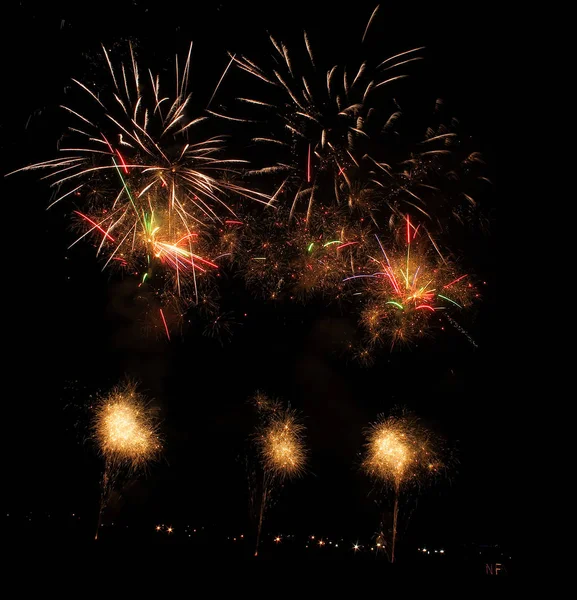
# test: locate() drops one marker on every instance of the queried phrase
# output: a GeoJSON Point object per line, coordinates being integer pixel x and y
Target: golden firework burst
{"type": "Point", "coordinates": [125, 428]}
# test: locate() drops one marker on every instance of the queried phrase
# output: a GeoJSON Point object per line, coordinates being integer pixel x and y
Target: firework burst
{"type": "Point", "coordinates": [437, 178]}
{"type": "Point", "coordinates": [281, 446]}
{"type": "Point", "coordinates": [125, 429]}
{"type": "Point", "coordinates": [299, 259]}
{"type": "Point", "coordinates": [336, 136]}
{"type": "Point", "coordinates": [323, 118]}
{"type": "Point", "coordinates": [410, 288]}
{"type": "Point", "coordinates": [400, 454]}
{"type": "Point", "coordinates": [281, 449]}
{"type": "Point", "coordinates": [153, 191]}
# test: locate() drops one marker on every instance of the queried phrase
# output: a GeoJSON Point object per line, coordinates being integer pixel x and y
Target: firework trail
{"type": "Point", "coordinates": [154, 191]}
{"type": "Point", "coordinates": [407, 288]}
{"type": "Point", "coordinates": [280, 443]}
{"type": "Point", "coordinates": [402, 454]}
{"type": "Point", "coordinates": [125, 429]}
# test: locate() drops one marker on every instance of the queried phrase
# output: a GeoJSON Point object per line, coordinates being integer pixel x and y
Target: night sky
{"type": "Point", "coordinates": [74, 330]}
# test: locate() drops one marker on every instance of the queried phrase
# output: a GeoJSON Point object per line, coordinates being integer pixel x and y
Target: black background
{"type": "Point", "coordinates": [72, 330]}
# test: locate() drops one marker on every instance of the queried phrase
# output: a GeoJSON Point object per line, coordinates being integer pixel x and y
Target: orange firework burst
{"type": "Point", "coordinates": [126, 431]}
{"type": "Point", "coordinates": [401, 453]}
{"type": "Point", "coordinates": [280, 443]}
{"type": "Point", "coordinates": [410, 288]}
